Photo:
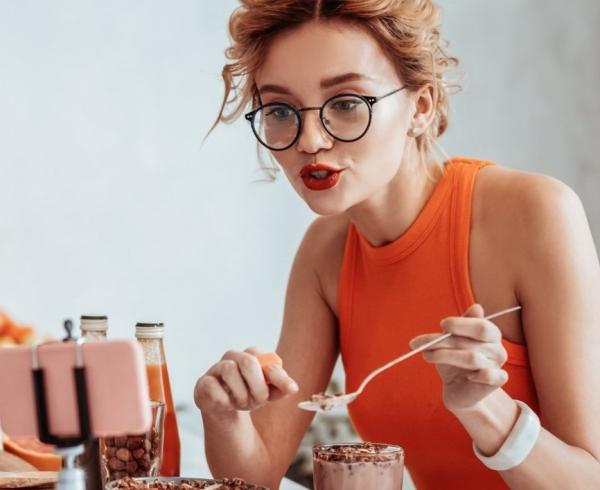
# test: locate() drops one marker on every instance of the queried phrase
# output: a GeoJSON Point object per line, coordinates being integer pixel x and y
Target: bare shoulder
{"type": "Point", "coordinates": [323, 249]}
{"type": "Point", "coordinates": [327, 234]}
{"type": "Point", "coordinates": [522, 210]}
{"type": "Point", "coordinates": [522, 197]}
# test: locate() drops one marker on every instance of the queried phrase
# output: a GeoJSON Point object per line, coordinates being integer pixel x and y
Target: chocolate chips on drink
{"type": "Point", "coordinates": [356, 453]}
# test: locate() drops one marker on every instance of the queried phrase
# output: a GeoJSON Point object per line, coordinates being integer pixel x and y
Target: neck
{"type": "Point", "coordinates": [384, 217]}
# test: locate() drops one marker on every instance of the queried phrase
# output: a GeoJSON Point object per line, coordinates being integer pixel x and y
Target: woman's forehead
{"type": "Point", "coordinates": [320, 51]}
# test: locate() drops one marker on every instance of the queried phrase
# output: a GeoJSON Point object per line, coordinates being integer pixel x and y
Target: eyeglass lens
{"type": "Point", "coordinates": [345, 117]}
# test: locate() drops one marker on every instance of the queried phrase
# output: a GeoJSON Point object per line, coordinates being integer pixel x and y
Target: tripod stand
{"type": "Point", "coordinates": [70, 477]}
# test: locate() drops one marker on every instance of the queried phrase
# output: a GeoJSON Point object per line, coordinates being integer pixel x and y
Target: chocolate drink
{"type": "Point", "coordinates": [363, 466]}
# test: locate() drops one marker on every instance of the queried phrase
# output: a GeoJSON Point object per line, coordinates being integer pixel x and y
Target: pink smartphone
{"type": "Point", "coordinates": [117, 388]}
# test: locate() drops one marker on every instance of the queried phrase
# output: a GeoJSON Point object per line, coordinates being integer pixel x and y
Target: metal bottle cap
{"type": "Point", "coordinates": [149, 330]}
{"type": "Point", "coordinates": [94, 323]}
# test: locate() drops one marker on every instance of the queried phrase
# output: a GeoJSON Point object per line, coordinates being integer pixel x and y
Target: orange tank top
{"type": "Point", "coordinates": [386, 296]}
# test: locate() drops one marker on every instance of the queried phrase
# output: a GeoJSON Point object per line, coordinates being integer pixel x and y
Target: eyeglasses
{"type": "Point", "coordinates": [346, 117]}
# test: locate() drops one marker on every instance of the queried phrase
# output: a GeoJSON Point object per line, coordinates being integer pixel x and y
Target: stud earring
{"type": "Point", "coordinates": [413, 132]}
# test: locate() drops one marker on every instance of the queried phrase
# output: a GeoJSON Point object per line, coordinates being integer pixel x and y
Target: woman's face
{"type": "Point", "coordinates": [305, 67]}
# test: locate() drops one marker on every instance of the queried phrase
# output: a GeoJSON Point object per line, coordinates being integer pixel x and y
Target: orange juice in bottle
{"type": "Point", "coordinates": [150, 336]}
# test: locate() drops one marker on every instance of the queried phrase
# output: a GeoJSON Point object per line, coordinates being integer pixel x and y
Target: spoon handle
{"type": "Point", "coordinates": [422, 348]}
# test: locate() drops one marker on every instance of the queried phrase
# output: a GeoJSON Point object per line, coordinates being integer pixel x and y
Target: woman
{"type": "Point", "coordinates": [350, 97]}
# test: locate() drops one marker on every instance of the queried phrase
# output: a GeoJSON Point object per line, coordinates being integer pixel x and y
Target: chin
{"type": "Point", "coordinates": [324, 203]}
{"type": "Point", "coordinates": [326, 206]}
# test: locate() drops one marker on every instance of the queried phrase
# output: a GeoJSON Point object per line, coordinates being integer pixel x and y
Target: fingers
{"type": "Point", "coordinates": [475, 311]}
{"type": "Point", "coordinates": [473, 325]}
{"type": "Point", "coordinates": [425, 338]}
{"type": "Point", "coordinates": [271, 367]}
{"type": "Point", "coordinates": [491, 377]}
{"type": "Point", "coordinates": [277, 377]}
{"type": "Point", "coordinates": [242, 375]}
{"type": "Point", "coordinates": [493, 351]}
{"type": "Point", "coordinates": [469, 361]}
{"type": "Point", "coordinates": [475, 328]}
{"type": "Point", "coordinates": [229, 374]}
{"type": "Point", "coordinates": [252, 374]}
{"type": "Point", "coordinates": [237, 382]}
{"type": "Point", "coordinates": [463, 359]}
{"type": "Point", "coordinates": [209, 395]}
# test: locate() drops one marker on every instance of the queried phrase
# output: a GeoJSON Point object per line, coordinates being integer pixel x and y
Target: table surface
{"type": "Point", "coordinates": [193, 459]}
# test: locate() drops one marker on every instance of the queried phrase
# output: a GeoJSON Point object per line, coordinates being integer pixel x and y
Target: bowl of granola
{"type": "Point", "coordinates": [172, 483]}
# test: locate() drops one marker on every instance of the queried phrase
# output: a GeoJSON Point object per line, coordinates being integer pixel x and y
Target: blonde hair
{"type": "Point", "coordinates": [407, 30]}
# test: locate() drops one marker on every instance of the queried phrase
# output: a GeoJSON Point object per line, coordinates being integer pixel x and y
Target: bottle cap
{"type": "Point", "coordinates": [149, 330]}
{"type": "Point", "coordinates": [93, 323]}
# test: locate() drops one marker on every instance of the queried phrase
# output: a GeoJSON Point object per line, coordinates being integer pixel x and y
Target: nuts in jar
{"type": "Point", "coordinates": [134, 455]}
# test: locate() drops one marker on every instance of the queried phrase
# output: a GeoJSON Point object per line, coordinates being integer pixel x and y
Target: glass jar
{"type": "Point", "coordinates": [150, 336]}
{"type": "Point", "coordinates": [358, 466]}
{"type": "Point", "coordinates": [93, 328]}
{"type": "Point", "coordinates": [134, 455]}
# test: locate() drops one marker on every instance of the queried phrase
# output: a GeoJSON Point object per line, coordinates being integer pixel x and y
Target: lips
{"type": "Point", "coordinates": [320, 177]}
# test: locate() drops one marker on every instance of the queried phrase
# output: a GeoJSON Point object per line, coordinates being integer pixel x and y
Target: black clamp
{"type": "Point", "coordinates": [39, 387]}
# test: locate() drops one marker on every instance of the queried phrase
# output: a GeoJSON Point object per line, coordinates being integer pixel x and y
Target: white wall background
{"type": "Point", "coordinates": [109, 203]}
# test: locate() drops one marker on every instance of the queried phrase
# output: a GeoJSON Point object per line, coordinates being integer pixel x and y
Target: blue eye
{"type": "Point", "coordinates": [346, 105]}
{"type": "Point", "coordinates": [280, 113]}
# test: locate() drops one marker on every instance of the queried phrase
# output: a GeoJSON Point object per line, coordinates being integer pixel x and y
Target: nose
{"type": "Point", "coordinates": [313, 137]}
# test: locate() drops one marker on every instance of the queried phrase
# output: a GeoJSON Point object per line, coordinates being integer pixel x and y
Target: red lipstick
{"type": "Point", "coordinates": [320, 177]}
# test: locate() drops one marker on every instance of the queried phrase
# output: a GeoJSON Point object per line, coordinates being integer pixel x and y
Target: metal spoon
{"type": "Point", "coordinates": [328, 402]}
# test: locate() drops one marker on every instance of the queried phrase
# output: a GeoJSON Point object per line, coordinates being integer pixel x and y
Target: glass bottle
{"type": "Point", "coordinates": [150, 336]}
{"type": "Point", "coordinates": [93, 328]}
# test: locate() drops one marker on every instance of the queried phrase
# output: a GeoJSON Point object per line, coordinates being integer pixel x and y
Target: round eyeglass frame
{"type": "Point", "coordinates": [368, 99]}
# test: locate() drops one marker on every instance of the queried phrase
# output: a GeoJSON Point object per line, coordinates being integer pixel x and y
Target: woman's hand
{"type": "Point", "coordinates": [237, 382]}
{"type": "Point", "coordinates": [470, 361]}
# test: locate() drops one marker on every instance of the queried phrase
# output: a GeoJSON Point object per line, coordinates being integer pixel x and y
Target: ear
{"type": "Point", "coordinates": [425, 102]}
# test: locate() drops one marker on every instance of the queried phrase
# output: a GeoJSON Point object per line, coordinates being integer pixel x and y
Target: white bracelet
{"type": "Point", "coordinates": [518, 444]}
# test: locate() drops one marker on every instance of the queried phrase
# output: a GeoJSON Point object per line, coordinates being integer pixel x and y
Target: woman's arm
{"type": "Point", "coordinates": [259, 445]}
{"type": "Point", "coordinates": [559, 288]}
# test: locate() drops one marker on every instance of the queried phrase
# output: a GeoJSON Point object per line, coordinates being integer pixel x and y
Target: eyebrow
{"type": "Point", "coordinates": [325, 83]}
